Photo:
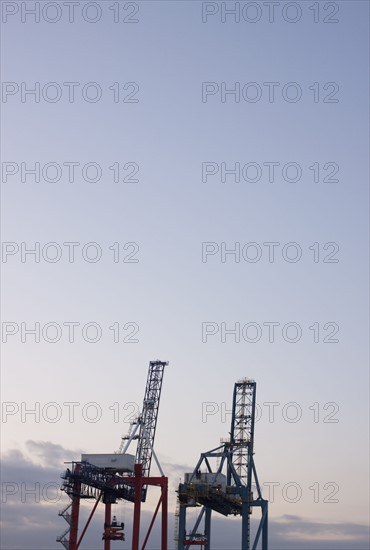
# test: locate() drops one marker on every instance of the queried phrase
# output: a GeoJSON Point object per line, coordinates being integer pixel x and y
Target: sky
{"type": "Point", "coordinates": [187, 181]}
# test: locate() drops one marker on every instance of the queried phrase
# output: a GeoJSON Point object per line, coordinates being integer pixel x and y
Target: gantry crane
{"type": "Point", "coordinates": [226, 488]}
{"type": "Point", "coordinates": [111, 477]}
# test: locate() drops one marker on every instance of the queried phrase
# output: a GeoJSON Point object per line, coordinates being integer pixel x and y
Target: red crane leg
{"type": "Point", "coordinates": [137, 507]}
{"type": "Point", "coordinates": [108, 520]}
{"type": "Point", "coordinates": [75, 511]}
{"type": "Point", "coordinates": [164, 513]}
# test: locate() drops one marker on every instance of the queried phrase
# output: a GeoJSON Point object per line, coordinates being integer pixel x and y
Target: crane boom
{"type": "Point", "coordinates": [149, 415]}
{"type": "Point", "coordinates": [144, 427]}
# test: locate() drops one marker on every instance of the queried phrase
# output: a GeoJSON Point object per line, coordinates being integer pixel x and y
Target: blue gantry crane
{"type": "Point", "coordinates": [226, 488]}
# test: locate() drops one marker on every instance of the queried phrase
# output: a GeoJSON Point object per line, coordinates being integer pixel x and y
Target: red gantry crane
{"type": "Point", "coordinates": [120, 476]}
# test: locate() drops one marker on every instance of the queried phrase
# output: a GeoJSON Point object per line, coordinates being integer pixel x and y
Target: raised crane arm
{"type": "Point", "coordinates": [242, 429]}
{"type": "Point", "coordinates": [144, 427]}
{"type": "Point", "coordinates": [149, 415]}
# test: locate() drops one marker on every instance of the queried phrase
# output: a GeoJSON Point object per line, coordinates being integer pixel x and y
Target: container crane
{"type": "Point", "coordinates": [227, 488]}
{"type": "Point", "coordinates": [120, 476]}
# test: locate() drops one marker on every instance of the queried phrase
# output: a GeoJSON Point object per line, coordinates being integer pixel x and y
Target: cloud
{"type": "Point", "coordinates": [31, 500]}
{"type": "Point", "coordinates": [50, 454]}
{"type": "Point", "coordinates": [287, 530]}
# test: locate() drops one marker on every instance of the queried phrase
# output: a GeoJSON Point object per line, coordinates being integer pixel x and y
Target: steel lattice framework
{"type": "Point", "coordinates": [242, 428]}
{"type": "Point", "coordinates": [149, 415]}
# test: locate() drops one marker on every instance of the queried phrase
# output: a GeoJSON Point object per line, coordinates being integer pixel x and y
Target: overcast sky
{"type": "Point", "coordinates": [187, 181]}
